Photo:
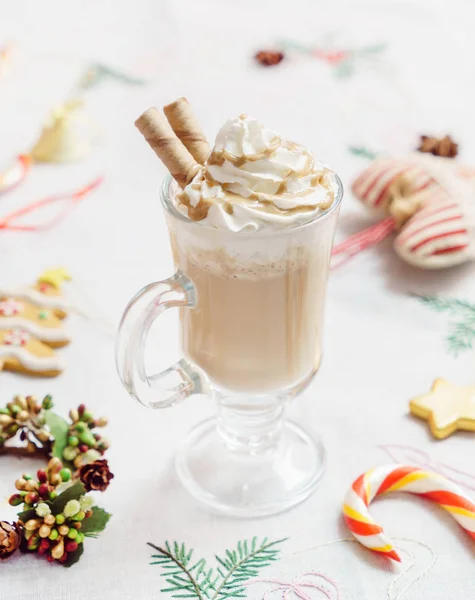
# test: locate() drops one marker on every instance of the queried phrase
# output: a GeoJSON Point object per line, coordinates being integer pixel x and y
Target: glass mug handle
{"type": "Point", "coordinates": [178, 381]}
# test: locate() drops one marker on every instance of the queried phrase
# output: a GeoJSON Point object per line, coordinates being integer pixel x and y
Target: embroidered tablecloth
{"type": "Point", "coordinates": [371, 75]}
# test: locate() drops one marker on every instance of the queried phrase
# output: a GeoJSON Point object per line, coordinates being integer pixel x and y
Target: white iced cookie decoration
{"type": "Point", "coordinates": [16, 337]}
{"type": "Point", "coordinates": [39, 322]}
{"type": "Point", "coordinates": [254, 179]}
{"type": "Point", "coordinates": [46, 293]}
{"type": "Point", "coordinates": [68, 135]}
{"type": "Point", "coordinates": [21, 353]}
{"type": "Point", "coordinates": [433, 203]}
{"type": "Point", "coordinates": [10, 307]}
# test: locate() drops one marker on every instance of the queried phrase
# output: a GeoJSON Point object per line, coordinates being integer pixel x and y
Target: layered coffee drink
{"type": "Point", "coordinates": [251, 223]}
{"type": "Point", "coordinates": [259, 261]}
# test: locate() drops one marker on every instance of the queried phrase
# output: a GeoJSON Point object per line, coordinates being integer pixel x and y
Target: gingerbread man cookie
{"type": "Point", "coordinates": [21, 353]}
{"type": "Point", "coordinates": [46, 293]}
{"type": "Point", "coordinates": [42, 323]}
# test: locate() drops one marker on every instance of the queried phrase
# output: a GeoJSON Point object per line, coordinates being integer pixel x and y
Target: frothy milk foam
{"type": "Point", "coordinates": [257, 324]}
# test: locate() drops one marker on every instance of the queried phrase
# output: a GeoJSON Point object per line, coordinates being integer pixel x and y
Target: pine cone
{"type": "Point", "coordinates": [96, 475]}
{"type": "Point", "coordinates": [445, 146]}
{"type": "Point", "coordinates": [269, 58]}
{"type": "Point", "coordinates": [10, 538]}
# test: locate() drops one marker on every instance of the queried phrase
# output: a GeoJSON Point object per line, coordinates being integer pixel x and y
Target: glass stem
{"type": "Point", "coordinates": [251, 429]}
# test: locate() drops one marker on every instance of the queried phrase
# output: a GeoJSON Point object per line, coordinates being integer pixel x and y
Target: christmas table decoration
{"type": "Point", "coordinates": [56, 514]}
{"type": "Point", "coordinates": [25, 418]}
{"type": "Point", "coordinates": [399, 478]}
{"type": "Point", "coordinates": [10, 538]}
{"type": "Point", "coordinates": [447, 407]}
{"type": "Point", "coordinates": [67, 135]}
{"type": "Point", "coordinates": [84, 444]}
{"type": "Point", "coordinates": [427, 200]}
{"type": "Point", "coordinates": [57, 528]}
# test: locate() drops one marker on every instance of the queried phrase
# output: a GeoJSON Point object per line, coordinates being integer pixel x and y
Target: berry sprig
{"type": "Point", "coordinates": [57, 536]}
{"type": "Point", "coordinates": [32, 492]}
{"type": "Point", "coordinates": [56, 514]}
{"type": "Point", "coordinates": [84, 444]}
{"type": "Point", "coordinates": [26, 416]}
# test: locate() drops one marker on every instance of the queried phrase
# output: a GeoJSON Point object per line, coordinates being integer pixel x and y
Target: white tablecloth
{"type": "Point", "coordinates": [382, 346]}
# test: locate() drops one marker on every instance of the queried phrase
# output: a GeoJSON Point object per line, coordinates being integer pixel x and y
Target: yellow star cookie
{"type": "Point", "coordinates": [447, 407]}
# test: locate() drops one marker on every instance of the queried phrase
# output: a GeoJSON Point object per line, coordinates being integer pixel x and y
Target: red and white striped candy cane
{"type": "Point", "coordinates": [399, 478]}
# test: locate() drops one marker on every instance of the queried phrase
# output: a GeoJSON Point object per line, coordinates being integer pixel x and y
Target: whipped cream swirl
{"type": "Point", "coordinates": [254, 180]}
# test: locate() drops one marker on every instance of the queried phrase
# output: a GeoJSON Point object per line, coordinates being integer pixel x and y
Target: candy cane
{"type": "Point", "coordinates": [398, 478]}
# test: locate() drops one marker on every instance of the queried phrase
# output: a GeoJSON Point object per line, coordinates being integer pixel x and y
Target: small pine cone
{"type": "Point", "coordinates": [10, 537]}
{"type": "Point", "coordinates": [96, 475]}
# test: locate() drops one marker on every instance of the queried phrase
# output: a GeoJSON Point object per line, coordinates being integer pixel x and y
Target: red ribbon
{"type": "Point", "coordinates": [358, 242]}
{"type": "Point", "coordinates": [24, 163]}
{"type": "Point", "coordinates": [70, 200]}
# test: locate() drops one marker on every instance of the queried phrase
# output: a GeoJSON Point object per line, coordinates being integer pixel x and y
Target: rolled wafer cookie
{"type": "Point", "coordinates": [162, 139]}
{"type": "Point", "coordinates": [186, 126]}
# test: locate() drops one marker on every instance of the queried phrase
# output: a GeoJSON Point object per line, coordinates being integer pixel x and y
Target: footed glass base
{"type": "Point", "coordinates": [243, 481]}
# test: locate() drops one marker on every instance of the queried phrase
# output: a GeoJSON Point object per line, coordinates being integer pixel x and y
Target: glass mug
{"type": "Point", "coordinates": [251, 317]}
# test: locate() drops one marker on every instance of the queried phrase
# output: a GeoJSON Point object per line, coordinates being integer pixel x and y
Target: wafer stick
{"type": "Point", "coordinates": [166, 145]}
{"type": "Point", "coordinates": [185, 124]}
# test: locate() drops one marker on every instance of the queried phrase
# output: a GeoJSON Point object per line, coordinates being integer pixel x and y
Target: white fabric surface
{"type": "Point", "coordinates": [382, 346]}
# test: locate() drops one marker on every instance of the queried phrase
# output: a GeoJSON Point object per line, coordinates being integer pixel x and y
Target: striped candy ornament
{"type": "Point", "coordinates": [432, 202]}
{"type": "Point", "coordinates": [441, 234]}
{"type": "Point", "coordinates": [399, 478]}
{"type": "Point", "coordinates": [374, 187]}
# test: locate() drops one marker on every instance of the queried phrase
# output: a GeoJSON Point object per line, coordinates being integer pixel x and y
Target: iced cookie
{"type": "Point", "coordinates": [46, 293]}
{"type": "Point", "coordinates": [41, 323]}
{"type": "Point", "coordinates": [447, 407]}
{"type": "Point", "coordinates": [21, 353]}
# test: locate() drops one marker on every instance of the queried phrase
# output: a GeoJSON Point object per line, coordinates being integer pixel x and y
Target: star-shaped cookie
{"type": "Point", "coordinates": [447, 407]}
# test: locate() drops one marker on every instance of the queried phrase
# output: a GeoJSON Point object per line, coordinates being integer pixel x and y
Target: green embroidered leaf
{"type": "Point", "coordinates": [243, 566]}
{"type": "Point", "coordinates": [363, 152]}
{"type": "Point", "coordinates": [187, 580]}
{"type": "Point", "coordinates": [461, 335]}
{"type": "Point", "coordinates": [73, 557]}
{"type": "Point", "coordinates": [59, 430]}
{"type": "Point", "coordinates": [73, 492]}
{"type": "Point", "coordinates": [97, 73]}
{"type": "Point", "coordinates": [96, 523]}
